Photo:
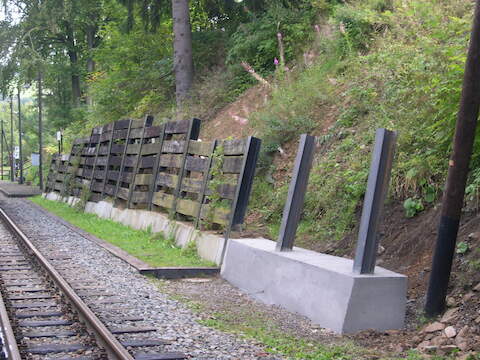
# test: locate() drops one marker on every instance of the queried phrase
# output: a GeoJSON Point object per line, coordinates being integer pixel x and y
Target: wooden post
{"type": "Point", "coordinates": [153, 183]}
{"type": "Point", "coordinates": [296, 193]}
{"type": "Point", "coordinates": [377, 189]}
{"type": "Point", "coordinates": [206, 175]}
{"type": "Point", "coordinates": [108, 159]}
{"type": "Point", "coordinates": [131, 190]}
{"type": "Point", "coordinates": [192, 134]}
{"type": "Point", "coordinates": [457, 175]}
{"type": "Point", "coordinates": [122, 163]}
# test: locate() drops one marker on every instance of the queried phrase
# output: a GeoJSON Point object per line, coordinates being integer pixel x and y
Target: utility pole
{"type": "Point", "coordinates": [1, 150]}
{"type": "Point", "coordinates": [20, 160]}
{"type": "Point", "coordinates": [12, 160]}
{"type": "Point", "coordinates": [40, 145]}
{"type": "Point", "coordinates": [457, 175]}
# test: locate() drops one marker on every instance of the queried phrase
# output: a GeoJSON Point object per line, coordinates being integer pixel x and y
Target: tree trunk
{"type": "Point", "coordinates": [91, 30]}
{"type": "Point", "coordinates": [72, 54]}
{"type": "Point", "coordinates": [182, 49]}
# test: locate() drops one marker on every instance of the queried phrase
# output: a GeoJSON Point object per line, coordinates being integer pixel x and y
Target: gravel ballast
{"type": "Point", "coordinates": [174, 321]}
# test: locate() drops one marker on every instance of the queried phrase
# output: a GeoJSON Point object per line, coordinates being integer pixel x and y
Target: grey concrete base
{"type": "Point", "coordinates": [209, 245]}
{"type": "Point", "coordinates": [318, 286]}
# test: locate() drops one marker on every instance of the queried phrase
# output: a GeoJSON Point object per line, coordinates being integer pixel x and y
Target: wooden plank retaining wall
{"type": "Point", "coordinates": [161, 168]}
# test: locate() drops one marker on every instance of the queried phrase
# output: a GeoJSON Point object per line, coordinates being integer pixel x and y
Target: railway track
{"type": "Point", "coordinates": [52, 309]}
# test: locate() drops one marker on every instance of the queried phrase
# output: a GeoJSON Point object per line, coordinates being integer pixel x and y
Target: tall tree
{"type": "Point", "coordinates": [182, 49]}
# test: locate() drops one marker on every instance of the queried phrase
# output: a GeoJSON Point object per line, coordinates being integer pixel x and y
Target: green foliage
{"type": "Point", "coordinates": [255, 42]}
{"type": "Point", "coordinates": [391, 64]}
{"type": "Point", "coordinates": [412, 207]}
{"type": "Point", "coordinates": [462, 247]}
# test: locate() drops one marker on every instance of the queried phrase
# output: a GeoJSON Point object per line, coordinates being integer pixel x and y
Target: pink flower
{"type": "Point", "coordinates": [275, 61]}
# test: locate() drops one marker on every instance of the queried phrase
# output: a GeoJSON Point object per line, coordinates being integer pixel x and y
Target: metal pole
{"type": "Point", "coordinates": [1, 150]}
{"type": "Point", "coordinates": [377, 189]}
{"type": "Point", "coordinates": [457, 175]}
{"type": "Point", "coordinates": [296, 193]}
{"type": "Point", "coordinates": [12, 165]}
{"type": "Point", "coordinates": [40, 145]}
{"type": "Point", "coordinates": [20, 181]}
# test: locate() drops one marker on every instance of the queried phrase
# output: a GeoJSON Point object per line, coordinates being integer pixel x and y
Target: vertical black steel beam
{"type": "Point", "coordinates": [244, 187]}
{"type": "Point", "coordinates": [457, 175]}
{"type": "Point", "coordinates": [20, 137]}
{"type": "Point", "coordinates": [377, 189]}
{"type": "Point", "coordinates": [12, 165]}
{"type": "Point", "coordinates": [2, 150]}
{"type": "Point", "coordinates": [296, 193]}
{"type": "Point", "coordinates": [40, 130]}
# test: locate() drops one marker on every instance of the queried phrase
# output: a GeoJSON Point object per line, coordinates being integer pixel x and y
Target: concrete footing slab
{"type": "Point", "coordinates": [318, 286]}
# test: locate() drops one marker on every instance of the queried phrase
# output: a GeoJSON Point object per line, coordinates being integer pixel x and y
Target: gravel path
{"type": "Point", "coordinates": [173, 320]}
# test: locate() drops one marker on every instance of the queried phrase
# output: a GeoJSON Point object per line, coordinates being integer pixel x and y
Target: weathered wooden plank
{"type": "Point", "coordinates": [147, 162]}
{"type": "Point", "coordinates": [173, 146]}
{"type": "Point", "coordinates": [117, 148]}
{"type": "Point", "coordinates": [136, 133]}
{"type": "Point", "coordinates": [101, 161]}
{"type": "Point", "coordinates": [121, 124]}
{"type": "Point", "coordinates": [151, 148]}
{"type": "Point", "coordinates": [173, 161]}
{"type": "Point", "coordinates": [163, 200]}
{"type": "Point", "coordinates": [167, 180]}
{"type": "Point", "coordinates": [226, 191]}
{"type": "Point", "coordinates": [232, 164]}
{"type": "Point", "coordinates": [113, 175]}
{"type": "Point", "coordinates": [153, 132]}
{"type": "Point", "coordinates": [139, 197]}
{"type": "Point", "coordinates": [122, 193]}
{"type": "Point", "coordinates": [97, 186]}
{"type": "Point", "coordinates": [120, 134]}
{"type": "Point", "coordinates": [196, 164]}
{"type": "Point", "coordinates": [218, 215]}
{"type": "Point", "coordinates": [137, 124]}
{"type": "Point", "coordinates": [192, 185]}
{"type": "Point", "coordinates": [202, 148]}
{"type": "Point", "coordinates": [143, 179]}
{"type": "Point", "coordinates": [234, 147]}
{"type": "Point", "coordinates": [127, 177]}
{"type": "Point", "coordinates": [99, 174]}
{"type": "Point", "coordinates": [187, 207]}
{"type": "Point", "coordinates": [177, 127]}
{"type": "Point", "coordinates": [109, 189]}
{"type": "Point", "coordinates": [115, 160]}
{"type": "Point", "coordinates": [133, 149]}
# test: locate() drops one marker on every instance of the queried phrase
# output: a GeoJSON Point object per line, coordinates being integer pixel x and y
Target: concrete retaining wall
{"type": "Point", "coordinates": [318, 286]}
{"type": "Point", "coordinates": [209, 245]}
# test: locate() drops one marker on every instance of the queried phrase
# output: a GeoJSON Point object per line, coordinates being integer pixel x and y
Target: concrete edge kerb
{"type": "Point", "coordinates": [209, 245]}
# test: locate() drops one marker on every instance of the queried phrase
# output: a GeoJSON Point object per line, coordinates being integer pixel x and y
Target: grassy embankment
{"type": "Point", "coordinates": [154, 249]}
{"type": "Point", "coordinates": [394, 64]}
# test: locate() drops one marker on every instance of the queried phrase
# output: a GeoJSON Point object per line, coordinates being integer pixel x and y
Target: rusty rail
{"type": "Point", "coordinates": [105, 339]}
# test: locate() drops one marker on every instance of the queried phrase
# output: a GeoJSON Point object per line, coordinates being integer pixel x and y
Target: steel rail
{"type": "Point", "coordinates": [8, 336]}
{"type": "Point", "coordinates": [106, 340]}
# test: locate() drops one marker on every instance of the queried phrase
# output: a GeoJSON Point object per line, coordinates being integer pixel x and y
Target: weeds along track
{"type": "Point", "coordinates": [51, 309]}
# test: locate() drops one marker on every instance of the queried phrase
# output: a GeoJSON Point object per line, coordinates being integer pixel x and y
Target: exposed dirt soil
{"type": "Point", "coordinates": [234, 120]}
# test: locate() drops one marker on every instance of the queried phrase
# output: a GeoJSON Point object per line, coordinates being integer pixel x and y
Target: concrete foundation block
{"type": "Point", "coordinates": [318, 286]}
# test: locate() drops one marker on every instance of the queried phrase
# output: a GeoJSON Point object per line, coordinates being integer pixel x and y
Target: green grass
{"type": "Point", "coordinates": [154, 249]}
